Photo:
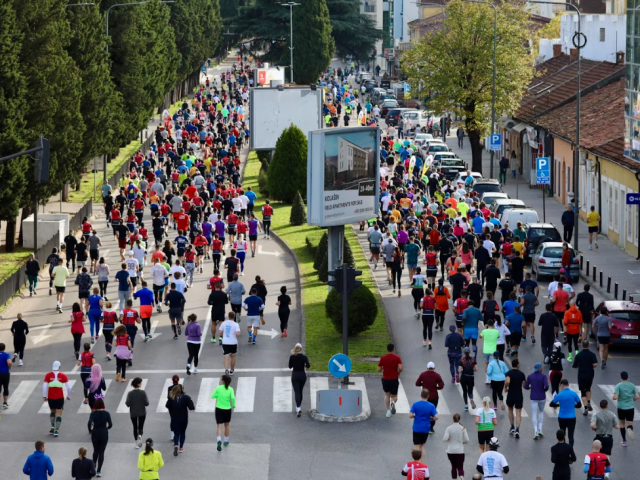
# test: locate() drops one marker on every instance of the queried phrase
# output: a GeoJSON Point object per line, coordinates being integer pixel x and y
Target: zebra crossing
{"type": "Point", "coordinates": [26, 395]}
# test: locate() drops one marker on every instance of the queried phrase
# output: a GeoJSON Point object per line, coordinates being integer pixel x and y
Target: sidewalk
{"type": "Point", "coordinates": [609, 259]}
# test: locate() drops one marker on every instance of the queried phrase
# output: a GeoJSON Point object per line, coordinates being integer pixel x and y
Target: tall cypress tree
{"type": "Point", "coordinates": [12, 124]}
{"type": "Point", "coordinates": [288, 169]}
{"type": "Point", "coordinates": [54, 85]}
{"type": "Point", "coordinates": [312, 41]}
{"type": "Point", "coordinates": [101, 104]}
{"type": "Point", "coordinates": [355, 33]}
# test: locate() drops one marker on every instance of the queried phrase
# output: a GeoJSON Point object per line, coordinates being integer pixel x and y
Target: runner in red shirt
{"type": "Point", "coordinates": [129, 317]}
{"type": "Point", "coordinates": [416, 470]}
{"type": "Point", "coordinates": [183, 220]}
{"type": "Point", "coordinates": [200, 242]}
{"type": "Point", "coordinates": [53, 394]}
{"type": "Point", "coordinates": [390, 365]}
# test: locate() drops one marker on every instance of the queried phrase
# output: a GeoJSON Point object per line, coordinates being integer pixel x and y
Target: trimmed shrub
{"type": "Point", "coordinates": [288, 169]}
{"type": "Point", "coordinates": [347, 254]}
{"type": "Point", "coordinates": [298, 211]}
{"type": "Point", "coordinates": [263, 183]}
{"type": "Point", "coordinates": [323, 270]}
{"type": "Point", "coordinates": [322, 251]}
{"type": "Point", "coordinates": [362, 310]}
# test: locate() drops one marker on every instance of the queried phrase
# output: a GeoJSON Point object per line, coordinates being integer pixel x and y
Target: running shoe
{"type": "Point", "coordinates": [585, 412]}
{"type": "Point", "coordinates": [285, 332]}
{"type": "Point", "coordinates": [118, 377]}
{"type": "Point", "coordinates": [590, 407]}
{"type": "Point", "coordinates": [570, 358]}
{"type": "Point", "coordinates": [393, 408]}
{"type": "Point", "coordinates": [56, 433]}
{"type": "Point", "coordinates": [517, 434]}
{"type": "Point", "coordinates": [15, 356]}
{"type": "Point", "coordinates": [254, 341]}
{"type": "Point", "coordinates": [213, 340]}
{"type": "Point", "coordinates": [536, 435]}
{"type": "Point", "coordinates": [453, 379]}
{"type": "Point", "coordinates": [424, 343]}
{"type": "Point", "coordinates": [139, 442]}
{"type": "Point", "coordinates": [457, 378]}
{"type": "Point", "coordinates": [5, 405]}
{"type": "Point", "coordinates": [188, 369]}
{"type": "Point", "coordinates": [430, 346]}
{"type": "Point", "coordinates": [388, 414]}
{"type": "Point", "coordinates": [98, 474]}
{"type": "Point", "coordinates": [623, 444]}
{"type": "Point", "coordinates": [540, 434]}
{"type": "Point", "coordinates": [226, 372]}
{"type": "Point", "coordinates": [225, 444]}
{"type": "Point", "coordinates": [52, 429]}
{"type": "Point", "coordinates": [512, 430]}
{"type": "Point", "coordinates": [20, 363]}
{"type": "Point", "coordinates": [219, 448]}
{"type": "Point", "coordinates": [630, 433]}
{"type": "Point", "coordinates": [195, 369]}
{"type": "Point", "coordinates": [533, 339]}
{"type": "Point", "coordinates": [175, 450]}
{"type": "Point", "coordinates": [466, 408]}
{"type": "Point", "coordinates": [181, 450]}
{"type": "Point", "coordinates": [231, 372]}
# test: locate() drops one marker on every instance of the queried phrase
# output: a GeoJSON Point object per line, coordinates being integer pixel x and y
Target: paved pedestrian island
{"type": "Point", "coordinates": [236, 462]}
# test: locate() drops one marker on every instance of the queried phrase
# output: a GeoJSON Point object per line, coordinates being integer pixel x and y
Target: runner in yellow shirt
{"type": "Point", "coordinates": [593, 222]}
{"type": "Point", "coordinates": [463, 208]}
{"type": "Point", "coordinates": [451, 212]}
{"type": "Point", "coordinates": [518, 245]}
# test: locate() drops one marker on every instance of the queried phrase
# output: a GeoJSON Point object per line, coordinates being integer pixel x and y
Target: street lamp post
{"type": "Point", "coordinates": [577, 42]}
{"type": "Point", "coordinates": [290, 5]}
{"type": "Point", "coordinates": [493, 88]}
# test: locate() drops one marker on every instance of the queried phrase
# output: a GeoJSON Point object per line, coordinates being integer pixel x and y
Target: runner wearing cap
{"type": "Point", "coordinates": [491, 463]}
{"type": "Point", "coordinates": [53, 394]}
{"type": "Point", "coordinates": [431, 381]}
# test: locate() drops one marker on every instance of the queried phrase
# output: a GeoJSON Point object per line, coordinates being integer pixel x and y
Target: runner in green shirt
{"type": "Point", "coordinates": [490, 345]}
{"type": "Point", "coordinates": [60, 275]}
{"type": "Point", "coordinates": [625, 393]}
{"type": "Point", "coordinates": [226, 400]}
{"type": "Point", "coordinates": [412, 250]}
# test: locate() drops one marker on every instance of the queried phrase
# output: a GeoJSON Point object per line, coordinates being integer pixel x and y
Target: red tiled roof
{"type": "Point", "coordinates": [557, 84]}
{"type": "Point", "coordinates": [614, 150]}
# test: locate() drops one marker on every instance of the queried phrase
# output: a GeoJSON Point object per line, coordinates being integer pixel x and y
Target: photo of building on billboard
{"type": "Point", "coordinates": [350, 162]}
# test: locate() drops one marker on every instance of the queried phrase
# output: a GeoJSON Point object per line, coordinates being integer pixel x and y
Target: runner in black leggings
{"type": "Point", "coordinates": [99, 425]}
{"type": "Point", "coordinates": [298, 362]}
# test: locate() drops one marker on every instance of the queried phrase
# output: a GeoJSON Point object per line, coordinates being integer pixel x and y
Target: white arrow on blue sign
{"type": "Point", "coordinates": [633, 198]}
{"type": "Point", "coordinates": [339, 365]}
{"type": "Point", "coordinates": [495, 142]}
{"type": "Point", "coordinates": [543, 171]}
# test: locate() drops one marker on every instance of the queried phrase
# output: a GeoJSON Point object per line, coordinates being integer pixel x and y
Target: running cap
{"type": "Point", "coordinates": [298, 345]}
{"type": "Point", "coordinates": [557, 345]}
{"type": "Point", "coordinates": [494, 442]}
{"type": "Point", "coordinates": [537, 367]}
{"type": "Point", "coordinates": [56, 366]}
{"type": "Point", "coordinates": [431, 366]}
{"type": "Point", "coordinates": [131, 254]}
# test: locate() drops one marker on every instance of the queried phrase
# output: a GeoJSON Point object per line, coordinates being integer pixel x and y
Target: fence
{"type": "Point", "coordinates": [597, 278]}
{"type": "Point", "coordinates": [11, 285]}
{"type": "Point", "coordinates": [75, 222]}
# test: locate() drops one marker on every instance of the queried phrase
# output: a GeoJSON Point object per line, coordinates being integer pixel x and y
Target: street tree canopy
{"type": "Point", "coordinates": [453, 66]}
{"type": "Point", "coordinates": [354, 32]}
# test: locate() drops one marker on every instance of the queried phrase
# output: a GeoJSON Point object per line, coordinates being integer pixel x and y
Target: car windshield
{"type": "Point", "coordinates": [452, 163]}
{"type": "Point", "coordinates": [504, 207]}
{"type": "Point", "coordinates": [390, 103]}
{"type": "Point", "coordinates": [486, 187]}
{"type": "Point", "coordinates": [537, 233]}
{"type": "Point", "coordinates": [438, 148]}
{"type": "Point", "coordinates": [626, 316]}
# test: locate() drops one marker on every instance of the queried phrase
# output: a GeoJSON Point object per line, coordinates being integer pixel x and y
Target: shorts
{"type": "Point", "coordinates": [83, 295]}
{"type": "Point", "coordinates": [81, 263]}
{"type": "Point", "coordinates": [412, 266]}
{"type": "Point", "coordinates": [236, 308]}
{"type": "Point", "coordinates": [229, 349]}
{"type": "Point", "coordinates": [253, 238]}
{"type": "Point", "coordinates": [199, 251]}
{"type": "Point", "coordinates": [584, 384]}
{"type": "Point", "coordinates": [61, 290]}
{"type": "Point", "coordinates": [516, 337]}
{"type": "Point", "coordinates": [181, 252]}
{"type": "Point", "coordinates": [459, 324]}
{"type": "Point", "coordinates": [487, 357]}
{"type": "Point", "coordinates": [607, 443]}
{"type": "Point", "coordinates": [604, 340]}
{"type": "Point", "coordinates": [253, 321]}
{"type": "Point", "coordinates": [420, 438]}
{"type": "Point", "coordinates": [593, 229]}
{"type": "Point", "coordinates": [122, 243]}
{"type": "Point", "coordinates": [223, 416]}
{"type": "Point", "coordinates": [471, 333]}
{"type": "Point", "coordinates": [514, 402]}
{"type": "Point", "coordinates": [432, 271]}
{"type": "Point", "coordinates": [231, 231]}
{"type": "Point", "coordinates": [56, 404]}
{"type": "Point", "coordinates": [4, 383]}
{"type": "Point", "coordinates": [484, 437]}
{"type": "Point", "coordinates": [625, 414]}
{"type": "Point", "coordinates": [388, 264]}
{"type": "Point", "coordinates": [390, 386]}
{"type": "Point", "coordinates": [375, 250]}
{"type": "Point", "coordinates": [175, 314]}
{"type": "Point", "coordinates": [94, 254]}
{"type": "Point", "coordinates": [134, 281]}
{"type": "Point", "coordinates": [529, 317]}
{"type": "Point", "coordinates": [146, 311]}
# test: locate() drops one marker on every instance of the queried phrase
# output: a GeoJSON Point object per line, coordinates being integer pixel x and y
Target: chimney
{"type": "Point", "coordinates": [620, 58]}
{"type": "Point", "coordinates": [557, 49]}
{"type": "Point", "coordinates": [573, 54]}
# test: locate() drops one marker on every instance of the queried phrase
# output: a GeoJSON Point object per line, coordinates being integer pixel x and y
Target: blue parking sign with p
{"type": "Point", "coordinates": [543, 171]}
{"type": "Point", "coordinates": [496, 142]}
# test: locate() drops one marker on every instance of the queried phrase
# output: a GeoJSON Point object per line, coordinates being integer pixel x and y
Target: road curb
{"type": "Point", "coordinates": [320, 417]}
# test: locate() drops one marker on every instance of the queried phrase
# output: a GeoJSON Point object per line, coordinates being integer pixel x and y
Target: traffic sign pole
{"type": "Point", "coordinates": [345, 318]}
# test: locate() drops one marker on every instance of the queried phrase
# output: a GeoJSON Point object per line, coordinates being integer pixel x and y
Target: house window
{"type": "Point", "coordinates": [610, 205]}
{"type": "Point", "coordinates": [602, 34]}
{"type": "Point", "coordinates": [616, 222]}
{"type": "Point", "coordinates": [629, 221]}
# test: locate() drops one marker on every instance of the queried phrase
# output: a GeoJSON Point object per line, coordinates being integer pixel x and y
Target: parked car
{"type": "Point", "coordinates": [625, 317]}
{"type": "Point", "coordinates": [461, 177]}
{"type": "Point", "coordinates": [364, 76]}
{"type": "Point", "coordinates": [393, 114]}
{"type": "Point", "coordinates": [451, 166]}
{"type": "Point", "coordinates": [369, 85]}
{"type": "Point", "coordinates": [435, 147]}
{"type": "Point", "coordinates": [499, 206]}
{"type": "Point", "coordinates": [439, 156]}
{"type": "Point", "coordinates": [489, 197]}
{"type": "Point", "coordinates": [487, 185]}
{"type": "Point", "coordinates": [514, 215]}
{"type": "Point", "coordinates": [547, 261]}
{"type": "Point", "coordinates": [386, 106]}
{"type": "Point", "coordinates": [417, 118]}
{"type": "Point", "coordinates": [422, 138]}
{"type": "Point", "coordinates": [538, 233]}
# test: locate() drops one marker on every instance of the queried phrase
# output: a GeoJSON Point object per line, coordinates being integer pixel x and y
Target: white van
{"type": "Point", "coordinates": [515, 215]}
{"type": "Point", "coordinates": [498, 206]}
{"type": "Point", "coordinates": [417, 118]}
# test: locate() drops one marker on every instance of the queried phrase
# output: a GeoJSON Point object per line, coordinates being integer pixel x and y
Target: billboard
{"type": "Point", "coordinates": [264, 76]}
{"type": "Point", "coordinates": [274, 109]}
{"type": "Point", "coordinates": [343, 168]}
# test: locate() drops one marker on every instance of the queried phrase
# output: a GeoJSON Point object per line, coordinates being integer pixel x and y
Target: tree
{"type": "Point", "coordinates": [456, 62]}
{"type": "Point", "coordinates": [313, 43]}
{"type": "Point", "coordinates": [54, 83]}
{"type": "Point", "coordinates": [288, 169]}
{"type": "Point", "coordinates": [354, 32]}
{"type": "Point", "coordinates": [12, 123]}
{"type": "Point", "coordinates": [100, 104]}
{"type": "Point", "coordinates": [321, 251]}
{"type": "Point", "coordinates": [298, 214]}
{"type": "Point", "coordinates": [361, 312]}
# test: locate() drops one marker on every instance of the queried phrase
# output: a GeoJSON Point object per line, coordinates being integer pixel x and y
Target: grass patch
{"type": "Point", "coordinates": [322, 340]}
{"type": "Point", "coordinates": [12, 262]}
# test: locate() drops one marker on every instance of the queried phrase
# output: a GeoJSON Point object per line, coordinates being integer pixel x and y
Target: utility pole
{"type": "Point", "coordinates": [290, 5]}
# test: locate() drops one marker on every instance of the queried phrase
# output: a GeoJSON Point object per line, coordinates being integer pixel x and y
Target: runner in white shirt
{"type": "Point", "coordinates": [385, 202]}
{"type": "Point", "coordinates": [214, 217]}
{"type": "Point", "coordinates": [140, 254]}
{"type": "Point", "coordinates": [177, 268]}
{"type": "Point", "coordinates": [493, 464]}
{"type": "Point", "coordinates": [244, 201]}
{"type": "Point", "coordinates": [132, 270]}
{"type": "Point", "coordinates": [489, 245]}
{"type": "Point", "coordinates": [553, 286]}
{"type": "Point", "coordinates": [237, 205]}
{"type": "Point", "coordinates": [229, 330]}
{"type": "Point", "coordinates": [158, 273]}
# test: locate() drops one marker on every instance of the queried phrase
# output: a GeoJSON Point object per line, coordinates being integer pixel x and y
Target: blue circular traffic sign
{"type": "Point", "coordinates": [339, 365]}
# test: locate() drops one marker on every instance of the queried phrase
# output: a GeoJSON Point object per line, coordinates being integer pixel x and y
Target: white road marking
{"type": "Point", "coordinates": [20, 396]}
{"type": "Point", "coordinates": [245, 394]}
{"type": "Point", "coordinates": [167, 372]}
{"type": "Point", "coordinates": [205, 403]}
{"type": "Point", "coordinates": [44, 408]}
{"type": "Point", "coordinates": [317, 383]}
{"type": "Point", "coordinates": [153, 333]}
{"type": "Point", "coordinates": [358, 384]}
{"type": "Point", "coordinates": [282, 394]}
{"type": "Point", "coordinates": [594, 404]}
{"type": "Point", "coordinates": [608, 391]}
{"type": "Point", "coordinates": [84, 408]}
{"type": "Point", "coordinates": [163, 397]}
{"type": "Point", "coordinates": [122, 407]}
{"type": "Point", "coordinates": [271, 333]}
{"type": "Point", "coordinates": [205, 332]}
{"type": "Point", "coordinates": [402, 405]}
{"type": "Point", "coordinates": [42, 336]}
{"type": "Point", "coordinates": [260, 251]}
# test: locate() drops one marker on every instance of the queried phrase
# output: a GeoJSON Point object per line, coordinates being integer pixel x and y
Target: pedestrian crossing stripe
{"type": "Point", "coordinates": [477, 399]}
{"type": "Point", "coordinates": [44, 408]}
{"type": "Point", "coordinates": [246, 388]}
{"type": "Point", "coordinates": [608, 392]}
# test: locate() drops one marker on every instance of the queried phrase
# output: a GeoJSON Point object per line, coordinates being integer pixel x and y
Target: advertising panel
{"type": "Point", "coordinates": [265, 75]}
{"type": "Point", "coordinates": [343, 170]}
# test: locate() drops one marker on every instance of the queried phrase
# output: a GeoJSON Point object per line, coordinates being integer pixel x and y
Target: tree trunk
{"type": "Point", "coordinates": [11, 236]}
{"type": "Point", "coordinates": [65, 192]}
{"type": "Point", "coordinates": [26, 211]}
{"type": "Point", "coordinates": [476, 150]}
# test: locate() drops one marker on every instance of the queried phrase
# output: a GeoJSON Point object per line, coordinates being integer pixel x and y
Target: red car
{"type": "Point", "coordinates": [626, 321]}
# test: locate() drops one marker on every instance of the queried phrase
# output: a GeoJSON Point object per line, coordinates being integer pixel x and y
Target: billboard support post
{"type": "Point", "coordinates": [335, 235]}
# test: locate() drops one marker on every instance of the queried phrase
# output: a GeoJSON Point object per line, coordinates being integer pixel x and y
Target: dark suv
{"type": "Point", "coordinates": [486, 185]}
{"type": "Point", "coordinates": [393, 115]}
{"type": "Point", "coordinates": [538, 233]}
